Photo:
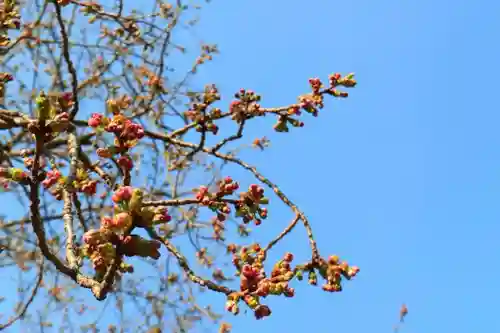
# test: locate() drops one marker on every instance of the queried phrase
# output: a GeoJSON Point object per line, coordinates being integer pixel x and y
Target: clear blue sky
{"type": "Point", "coordinates": [402, 178]}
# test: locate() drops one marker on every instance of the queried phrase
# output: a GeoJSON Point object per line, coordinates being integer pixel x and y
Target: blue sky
{"type": "Point", "coordinates": [402, 178]}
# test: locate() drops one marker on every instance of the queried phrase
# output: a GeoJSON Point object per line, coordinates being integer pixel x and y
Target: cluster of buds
{"type": "Point", "coordinates": [51, 178]}
{"type": "Point", "coordinates": [281, 274]}
{"type": "Point", "coordinates": [13, 174]}
{"type": "Point", "coordinates": [215, 202]}
{"type": "Point", "coordinates": [9, 19]}
{"type": "Point", "coordinates": [129, 201]}
{"type": "Point", "coordinates": [314, 101]}
{"type": "Point", "coordinates": [254, 284]}
{"type": "Point", "coordinates": [212, 200]}
{"type": "Point", "coordinates": [249, 205]}
{"type": "Point", "coordinates": [99, 248]}
{"type": "Point", "coordinates": [249, 261]}
{"type": "Point", "coordinates": [127, 132]}
{"type": "Point", "coordinates": [333, 270]}
{"type": "Point", "coordinates": [53, 110]}
{"type": "Point", "coordinates": [199, 112]}
{"type": "Point", "coordinates": [54, 181]}
{"type": "Point", "coordinates": [85, 184]}
{"type": "Point", "coordinates": [226, 186]}
{"type": "Point", "coordinates": [316, 85]}
{"type": "Point", "coordinates": [102, 245]}
{"type": "Point", "coordinates": [245, 106]}
{"type": "Point", "coordinates": [30, 161]}
{"type": "Point", "coordinates": [347, 81]}
{"type": "Point", "coordinates": [311, 103]}
{"type": "Point", "coordinates": [118, 223]}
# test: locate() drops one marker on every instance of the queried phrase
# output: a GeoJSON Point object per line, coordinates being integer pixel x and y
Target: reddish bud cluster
{"type": "Point", "coordinates": [312, 102]}
{"type": "Point", "coordinates": [316, 85]}
{"type": "Point", "coordinates": [82, 182]}
{"type": "Point", "coordinates": [51, 179]}
{"type": "Point", "coordinates": [127, 133]}
{"type": "Point", "coordinates": [120, 222]}
{"type": "Point", "coordinates": [254, 284]}
{"type": "Point", "coordinates": [253, 281]}
{"type": "Point", "coordinates": [95, 120]}
{"type": "Point", "coordinates": [125, 162]}
{"type": "Point", "coordinates": [225, 187]}
{"type": "Point", "coordinates": [124, 193]}
{"type": "Point", "coordinates": [248, 207]}
{"type": "Point", "coordinates": [124, 129]}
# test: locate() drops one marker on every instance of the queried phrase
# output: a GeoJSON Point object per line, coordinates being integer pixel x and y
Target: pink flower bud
{"type": "Point", "coordinates": [95, 120]}
{"type": "Point", "coordinates": [123, 220]}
